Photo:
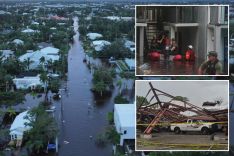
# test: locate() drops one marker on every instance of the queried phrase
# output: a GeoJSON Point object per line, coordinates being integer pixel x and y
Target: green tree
{"type": "Point", "coordinates": [44, 79]}
{"type": "Point", "coordinates": [140, 100]}
{"type": "Point", "coordinates": [42, 61]}
{"type": "Point", "coordinates": [119, 84]}
{"type": "Point", "coordinates": [28, 62]}
{"type": "Point", "coordinates": [100, 87]}
{"type": "Point", "coordinates": [11, 98]}
{"type": "Point", "coordinates": [43, 128]}
{"type": "Point", "coordinates": [112, 135]}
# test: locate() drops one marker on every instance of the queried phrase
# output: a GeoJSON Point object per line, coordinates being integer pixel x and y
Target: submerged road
{"type": "Point", "coordinates": [82, 116]}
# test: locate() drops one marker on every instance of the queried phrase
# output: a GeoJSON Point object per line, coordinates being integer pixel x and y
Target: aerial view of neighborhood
{"type": "Point", "coordinates": [68, 71]}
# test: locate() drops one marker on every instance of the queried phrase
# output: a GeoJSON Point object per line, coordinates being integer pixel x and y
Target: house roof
{"type": "Point", "coordinates": [27, 74]}
{"type": "Point", "coordinates": [49, 53]}
{"type": "Point", "coordinates": [18, 41]}
{"type": "Point", "coordinates": [18, 126]}
{"type": "Point", "coordinates": [126, 114]}
{"type": "Point", "coordinates": [93, 36]}
{"type": "Point", "coordinates": [130, 62]}
{"type": "Point", "coordinates": [100, 44]}
{"type": "Point", "coordinates": [29, 31]}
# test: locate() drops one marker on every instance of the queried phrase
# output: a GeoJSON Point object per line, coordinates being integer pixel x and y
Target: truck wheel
{"type": "Point", "coordinates": [177, 130]}
{"type": "Point", "coordinates": [205, 131]}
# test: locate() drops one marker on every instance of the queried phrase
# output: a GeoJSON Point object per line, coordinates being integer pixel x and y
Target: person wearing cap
{"type": "Point", "coordinates": [212, 66]}
{"type": "Point", "coordinates": [190, 54]}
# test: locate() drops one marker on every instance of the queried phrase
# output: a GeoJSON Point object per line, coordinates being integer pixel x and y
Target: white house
{"type": "Point", "coordinates": [30, 31]}
{"type": "Point", "coordinates": [6, 53]}
{"type": "Point", "coordinates": [94, 36]}
{"type": "Point", "coordinates": [130, 63]}
{"type": "Point", "coordinates": [100, 44]}
{"type": "Point", "coordinates": [18, 42]}
{"type": "Point", "coordinates": [26, 82]}
{"type": "Point", "coordinates": [49, 53]}
{"type": "Point", "coordinates": [124, 119]}
{"type": "Point", "coordinates": [118, 18]}
{"type": "Point", "coordinates": [130, 45]}
{"type": "Point", "coordinates": [18, 126]}
{"type": "Point", "coordinates": [35, 23]}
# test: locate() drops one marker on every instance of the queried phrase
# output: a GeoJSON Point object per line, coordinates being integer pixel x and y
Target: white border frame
{"type": "Point", "coordinates": [179, 5]}
{"type": "Point", "coordinates": [182, 81]}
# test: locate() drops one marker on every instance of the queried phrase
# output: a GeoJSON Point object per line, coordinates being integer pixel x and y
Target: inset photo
{"type": "Point", "coordinates": [182, 115]}
{"type": "Point", "coordinates": [182, 40]}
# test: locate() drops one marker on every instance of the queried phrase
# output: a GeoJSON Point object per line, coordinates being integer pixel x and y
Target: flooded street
{"type": "Point", "coordinates": [83, 117]}
{"type": "Point", "coordinates": [164, 67]}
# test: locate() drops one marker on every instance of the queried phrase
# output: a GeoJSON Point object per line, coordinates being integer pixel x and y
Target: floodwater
{"type": "Point", "coordinates": [83, 115]}
{"type": "Point", "coordinates": [168, 67]}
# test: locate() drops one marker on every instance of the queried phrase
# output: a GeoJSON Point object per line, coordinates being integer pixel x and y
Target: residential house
{"type": "Point", "coordinates": [49, 53]}
{"type": "Point", "coordinates": [27, 80]}
{"type": "Point", "coordinates": [94, 36]}
{"type": "Point", "coordinates": [100, 44]}
{"type": "Point", "coordinates": [19, 126]}
{"type": "Point", "coordinates": [124, 119]}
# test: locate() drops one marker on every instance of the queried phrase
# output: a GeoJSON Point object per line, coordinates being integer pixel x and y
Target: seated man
{"type": "Point", "coordinates": [212, 66]}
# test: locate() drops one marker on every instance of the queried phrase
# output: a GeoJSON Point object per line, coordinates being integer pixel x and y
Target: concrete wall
{"type": "Point", "coordinates": [202, 32]}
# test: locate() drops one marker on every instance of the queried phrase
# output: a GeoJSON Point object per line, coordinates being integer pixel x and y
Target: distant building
{"type": "Point", "coordinates": [18, 42]}
{"type": "Point", "coordinates": [6, 54]}
{"type": "Point", "coordinates": [94, 36]}
{"type": "Point", "coordinates": [35, 23]}
{"type": "Point", "coordinates": [49, 53]}
{"type": "Point", "coordinates": [29, 31]}
{"type": "Point", "coordinates": [100, 44]}
{"type": "Point", "coordinates": [118, 18]}
{"type": "Point", "coordinates": [27, 81]}
{"type": "Point", "coordinates": [124, 119]}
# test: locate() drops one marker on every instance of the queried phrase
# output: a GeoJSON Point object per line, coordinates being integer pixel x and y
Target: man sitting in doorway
{"type": "Point", "coordinates": [212, 66]}
{"type": "Point", "coordinates": [173, 47]}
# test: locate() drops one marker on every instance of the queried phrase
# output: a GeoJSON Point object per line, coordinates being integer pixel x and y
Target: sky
{"type": "Point", "coordinates": [196, 91]}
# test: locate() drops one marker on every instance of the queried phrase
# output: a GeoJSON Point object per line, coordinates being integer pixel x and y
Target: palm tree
{"type": "Point", "coordinates": [42, 61]}
{"type": "Point", "coordinates": [99, 87]}
{"type": "Point", "coordinates": [28, 62]}
{"type": "Point", "coordinates": [11, 112]}
{"type": "Point", "coordinates": [119, 84]}
{"type": "Point", "coordinates": [44, 79]}
{"type": "Point", "coordinates": [49, 64]}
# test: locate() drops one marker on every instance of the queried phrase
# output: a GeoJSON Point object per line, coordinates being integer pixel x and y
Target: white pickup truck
{"type": "Point", "coordinates": [193, 125]}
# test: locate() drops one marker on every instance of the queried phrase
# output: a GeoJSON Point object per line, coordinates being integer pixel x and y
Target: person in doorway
{"type": "Point", "coordinates": [190, 54]}
{"type": "Point", "coordinates": [212, 66]}
{"type": "Point", "coordinates": [173, 47]}
{"type": "Point", "coordinates": [160, 41]}
{"type": "Point", "coordinates": [166, 46]}
{"type": "Point", "coordinates": [153, 43]}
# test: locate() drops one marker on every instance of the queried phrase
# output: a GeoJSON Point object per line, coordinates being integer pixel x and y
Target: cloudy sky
{"type": "Point", "coordinates": [196, 91]}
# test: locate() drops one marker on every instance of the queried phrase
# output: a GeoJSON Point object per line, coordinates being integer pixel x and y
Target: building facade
{"type": "Point", "coordinates": [203, 27]}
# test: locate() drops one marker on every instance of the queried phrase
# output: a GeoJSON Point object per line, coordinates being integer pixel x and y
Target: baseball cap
{"type": "Point", "coordinates": [212, 53]}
